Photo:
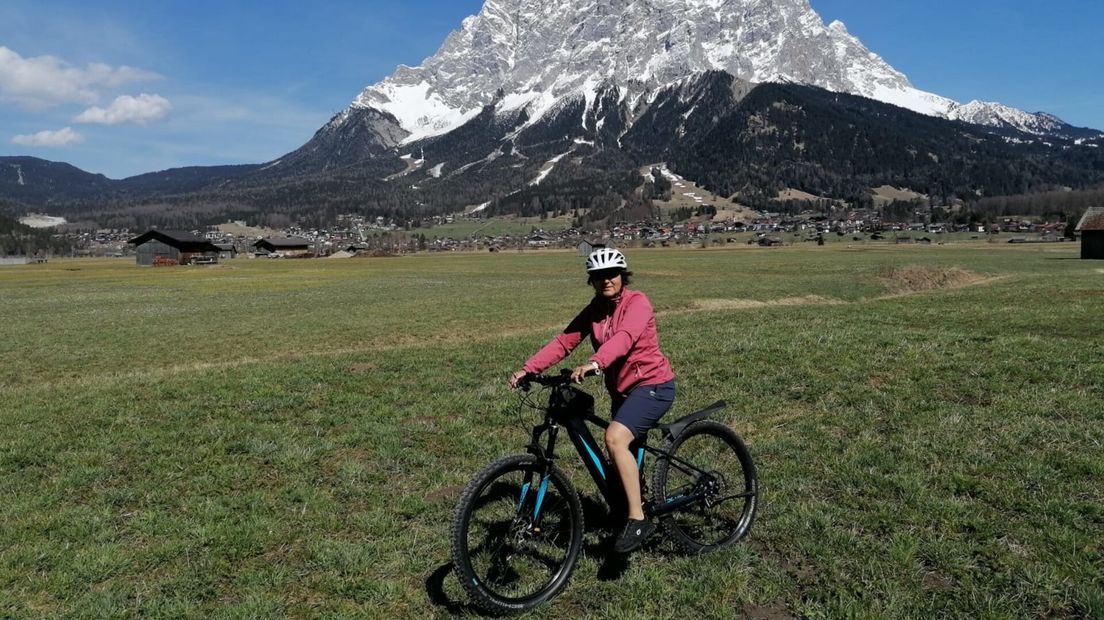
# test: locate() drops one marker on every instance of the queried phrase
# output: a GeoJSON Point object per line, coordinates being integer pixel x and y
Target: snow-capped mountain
{"type": "Point", "coordinates": [992, 114]}
{"type": "Point", "coordinates": [539, 52]}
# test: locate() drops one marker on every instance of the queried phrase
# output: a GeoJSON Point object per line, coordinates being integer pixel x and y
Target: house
{"type": "Point", "coordinates": [540, 240]}
{"type": "Point", "coordinates": [160, 248]}
{"type": "Point", "coordinates": [586, 247]}
{"type": "Point", "coordinates": [1091, 228]}
{"type": "Point", "coordinates": [283, 246]}
{"type": "Point", "coordinates": [769, 242]}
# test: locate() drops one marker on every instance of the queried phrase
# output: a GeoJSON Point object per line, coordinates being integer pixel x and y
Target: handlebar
{"type": "Point", "coordinates": [564, 378]}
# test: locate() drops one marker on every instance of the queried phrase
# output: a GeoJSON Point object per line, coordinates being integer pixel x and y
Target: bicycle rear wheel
{"type": "Point", "coordinates": [516, 534]}
{"type": "Point", "coordinates": [724, 474]}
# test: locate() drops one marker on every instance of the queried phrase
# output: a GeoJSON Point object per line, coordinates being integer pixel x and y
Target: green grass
{"type": "Point", "coordinates": [288, 438]}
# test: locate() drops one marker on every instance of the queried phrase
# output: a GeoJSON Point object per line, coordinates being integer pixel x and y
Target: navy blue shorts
{"type": "Point", "coordinates": [644, 406]}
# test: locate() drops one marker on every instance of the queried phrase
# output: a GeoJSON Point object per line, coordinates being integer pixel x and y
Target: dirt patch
{"type": "Point", "coordinates": [937, 582]}
{"type": "Point", "coordinates": [774, 611]}
{"type": "Point", "coordinates": [916, 279]}
{"type": "Point", "coordinates": [445, 493]}
{"type": "Point", "coordinates": [362, 369]}
{"type": "Point", "coordinates": [746, 304]}
{"type": "Point", "coordinates": [876, 381]}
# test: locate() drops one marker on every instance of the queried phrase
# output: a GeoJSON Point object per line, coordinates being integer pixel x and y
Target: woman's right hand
{"type": "Point", "coordinates": [517, 377]}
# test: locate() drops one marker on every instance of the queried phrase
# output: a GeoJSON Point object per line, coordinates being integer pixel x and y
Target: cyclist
{"type": "Point", "coordinates": [622, 328]}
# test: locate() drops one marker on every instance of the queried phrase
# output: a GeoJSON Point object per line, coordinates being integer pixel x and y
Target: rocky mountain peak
{"type": "Point", "coordinates": [541, 52]}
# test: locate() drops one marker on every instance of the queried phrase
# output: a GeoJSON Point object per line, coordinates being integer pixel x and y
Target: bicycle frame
{"type": "Point", "coordinates": [573, 418]}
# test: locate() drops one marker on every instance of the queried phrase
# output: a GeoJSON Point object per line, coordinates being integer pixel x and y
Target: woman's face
{"type": "Point", "coordinates": [607, 283]}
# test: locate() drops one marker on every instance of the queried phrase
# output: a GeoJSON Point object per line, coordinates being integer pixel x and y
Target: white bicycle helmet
{"type": "Point", "coordinates": [606, 258]}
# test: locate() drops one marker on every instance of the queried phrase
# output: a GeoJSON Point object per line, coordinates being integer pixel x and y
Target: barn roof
{"type": "Point", "coordinates": [1092, 220]}
{"type": "Point", "coordinates": [284, 242]}
{"type": "Point", "coordinates": [180, 239]}
{"type": "Point", "coordinates": [180, 236]}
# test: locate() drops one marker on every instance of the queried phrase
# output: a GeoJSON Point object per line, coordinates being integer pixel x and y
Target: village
{"type": "Point", "coordinates": [356, 235]}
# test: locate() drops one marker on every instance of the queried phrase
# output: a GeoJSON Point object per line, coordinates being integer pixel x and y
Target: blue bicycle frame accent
{"type": "Point", "coordinates": [594, 457]}
{"type": "Point", "coordinates": [540, 497]}
{"type": "Point", "coordinates": [524, 492]}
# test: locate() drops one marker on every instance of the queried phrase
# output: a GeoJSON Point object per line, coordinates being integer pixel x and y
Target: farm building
{"type": "Point", "coordinates": [586, 247]}
{"type": "Point", "coordinates": [227, 251]}
{"type": "Point", "coordinates": [159, 248]}
{"type": "Point", "coordinates": [284, 246]}
{"type": "Point", "coordinates": [1091, 228]}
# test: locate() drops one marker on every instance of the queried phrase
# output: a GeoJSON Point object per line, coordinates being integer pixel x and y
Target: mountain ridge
{"type": "Point", "coordinates": [537, 52]}
{"type": "Point", "coordinates": [511, 116]}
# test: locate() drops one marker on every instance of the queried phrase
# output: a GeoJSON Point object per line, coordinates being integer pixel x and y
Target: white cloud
{"type": "Point", "coordinates": [126, 109]}
{"type": "Point", "coordinates": [46, 80]}
{"type": "Point", "coordinates": [61, 137]}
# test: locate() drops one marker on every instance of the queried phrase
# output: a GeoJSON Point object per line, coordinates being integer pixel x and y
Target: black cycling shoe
{"type": "Point", "coordinates": [633, 536]}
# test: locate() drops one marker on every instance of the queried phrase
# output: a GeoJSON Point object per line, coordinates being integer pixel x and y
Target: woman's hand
{"type": "Point", "coordinates": [516, 377]}
{"type": "Point", "coordinates": [580, 373]}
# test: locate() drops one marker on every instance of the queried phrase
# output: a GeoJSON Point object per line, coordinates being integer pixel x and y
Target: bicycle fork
{"type": "Point", "coordinates": [536, 485]}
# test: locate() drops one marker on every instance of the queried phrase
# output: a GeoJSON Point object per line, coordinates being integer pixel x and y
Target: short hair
{"type": "Point", "coordinates": [626, 278]}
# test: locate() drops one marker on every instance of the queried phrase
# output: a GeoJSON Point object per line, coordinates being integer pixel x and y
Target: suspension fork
{"type": "Point", "coordinates": [536, 487]}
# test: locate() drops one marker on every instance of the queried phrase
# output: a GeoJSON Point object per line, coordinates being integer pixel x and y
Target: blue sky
{"type": "Point", "coordinates": [144, 86]}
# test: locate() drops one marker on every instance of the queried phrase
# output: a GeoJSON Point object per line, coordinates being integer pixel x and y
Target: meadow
{"type": "Point", "coordinates": [288, 438]}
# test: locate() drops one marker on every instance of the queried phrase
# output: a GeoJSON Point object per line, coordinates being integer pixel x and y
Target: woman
{"type": "Point", "coordinates": [621, 325]}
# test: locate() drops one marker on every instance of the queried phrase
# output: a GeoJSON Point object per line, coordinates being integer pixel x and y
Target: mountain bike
{"type": "Point", "coordinates": [517, 530]}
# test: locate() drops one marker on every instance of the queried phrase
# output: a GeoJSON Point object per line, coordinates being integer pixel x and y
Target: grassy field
{"type": "Point", "coordinates": [288, 438]}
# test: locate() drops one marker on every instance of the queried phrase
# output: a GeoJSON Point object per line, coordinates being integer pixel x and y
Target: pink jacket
{"type": "Point", "coordinates": [625, 343]}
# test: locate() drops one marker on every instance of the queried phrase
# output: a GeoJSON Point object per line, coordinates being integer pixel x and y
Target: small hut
{"type": "Point", "coordinates": [1091, 229]}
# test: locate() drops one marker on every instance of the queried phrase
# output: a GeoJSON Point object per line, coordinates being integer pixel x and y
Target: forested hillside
{"type": "Point", "coordinates": [742, 141]}
{"type": "Point", "coordinates": [17, 239]}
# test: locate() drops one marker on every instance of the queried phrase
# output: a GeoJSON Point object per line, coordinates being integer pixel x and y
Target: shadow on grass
{"type": "Point", "coordinates": [603, 522]}
{"type": "Point", "coordinates": [435, 590]}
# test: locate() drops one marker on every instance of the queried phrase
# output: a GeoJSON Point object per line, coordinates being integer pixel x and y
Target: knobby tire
{"type": "Point", "coordinates": [713, 447]}
{"type": "Point", "coordinates": [486, 528]}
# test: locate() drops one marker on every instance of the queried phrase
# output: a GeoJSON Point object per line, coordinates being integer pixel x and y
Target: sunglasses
{"type": "Point", "coordinates": [605, 274]}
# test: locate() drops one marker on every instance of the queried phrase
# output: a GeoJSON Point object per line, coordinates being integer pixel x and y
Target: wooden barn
{"type": "Point", "coordinates": [586, 247]}
{"type": "Point", "coordinates": [283, 246]}
{"type": "Point", "coordinates": [1091, 229]}
{"type": "Point", "coordinates": [227, 251]}
{"type": "Point", "coordinates": [159, 248]}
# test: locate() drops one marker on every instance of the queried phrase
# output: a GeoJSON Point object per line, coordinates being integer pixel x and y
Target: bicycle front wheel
{"type": "Point", "coordinates": [516, 534]}
{"type": "Point", "coordinates": [710, 461]}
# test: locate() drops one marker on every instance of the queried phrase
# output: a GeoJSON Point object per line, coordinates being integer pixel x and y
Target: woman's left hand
{"type": "Point", "coordinates": [580, 373]}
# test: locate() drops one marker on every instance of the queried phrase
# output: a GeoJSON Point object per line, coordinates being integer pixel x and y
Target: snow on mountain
{"type": "Point", "coordinates": [999, 115]}
{"type": "Point", "coordinates": [537, 53]}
